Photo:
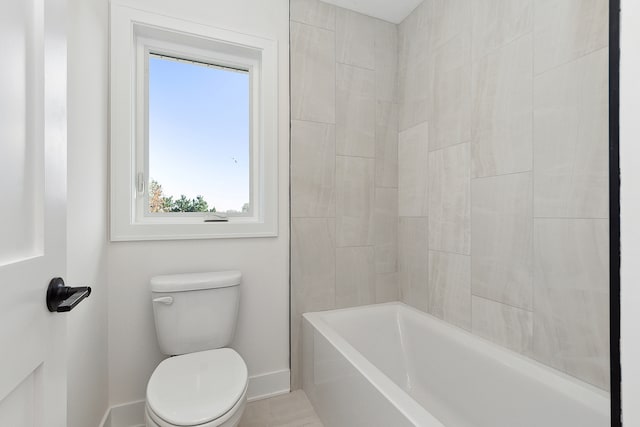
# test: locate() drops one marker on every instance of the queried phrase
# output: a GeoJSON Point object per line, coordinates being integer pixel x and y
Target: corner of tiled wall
{"type": "Point", "coordinates": [344, 179]}
{"type": "Point", "coordinates": [457, 161]}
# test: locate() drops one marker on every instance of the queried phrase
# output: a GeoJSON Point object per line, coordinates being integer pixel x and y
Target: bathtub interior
{"type": "Point", "coordinates": [459, 378]}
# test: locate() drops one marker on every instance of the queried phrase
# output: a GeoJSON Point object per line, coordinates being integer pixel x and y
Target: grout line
{"type": "Point", "coordinates": [577, 58]}
{"type": "Point", "coordinates": [313, 121]}
{"type": "Point", "coordinates": [313, 217]}
{"type": "Point", "coordinates": [449, 252]}
{"type": "Point", "coordinates": [502, 46]}
{"type": "Point", "coordinates": [569, 217]}
{"type": "Point", "coordinates": [355, 157]}
{"type": "Point", "coordinates": [311, 25]}
{"type": "Point", "coordinates": [293, 317]}
{"type": "Point", "coordinates": [335, 168]}
{"type": "Point", "coordinates": [500, 302]}
{"type": "Point", "coordinates": [472, 133]}
{"type": "Point", "coordinates": [466, 141]}
{"type": "Point", "coordinates": [360, 67]}
{"type": "Point", "coordinates": [376, 162]}
{"type": "Point", "coordinates": [533, 178]}
{"type": "Point", "coordinates": [502, 174]}
{"type": "Point", "coordinates": [410, 127]}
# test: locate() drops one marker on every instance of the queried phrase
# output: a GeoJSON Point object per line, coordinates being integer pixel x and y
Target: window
{"type": "Point", "coordinates": [193, 130]}
{"type": "Point", "coordinates": [198, 147]}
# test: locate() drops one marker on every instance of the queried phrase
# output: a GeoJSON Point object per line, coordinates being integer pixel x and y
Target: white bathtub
{"type": "Point", "coordinates": [390, 365]}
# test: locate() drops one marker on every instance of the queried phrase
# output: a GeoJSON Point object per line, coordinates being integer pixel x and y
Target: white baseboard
{"type": "Point", "coordinates": [262, 386]}
{"type": "Point", "coordinates": [269, 385]}
{"type": "Point", "coordinates": [129, 414]}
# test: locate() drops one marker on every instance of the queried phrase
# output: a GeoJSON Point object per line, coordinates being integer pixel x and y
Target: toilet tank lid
{"type": "Point", "coordinates": [195, 281]}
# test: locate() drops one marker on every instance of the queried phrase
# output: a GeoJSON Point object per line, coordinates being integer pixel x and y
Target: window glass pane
{"type": "Point", "coordinates": [199, 150]}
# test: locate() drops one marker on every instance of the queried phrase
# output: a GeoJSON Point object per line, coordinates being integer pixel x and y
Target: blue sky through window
{"type": "Point", "coordinates": [199, 132]}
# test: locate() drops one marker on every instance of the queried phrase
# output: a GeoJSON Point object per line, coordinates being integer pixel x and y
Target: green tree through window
{"type": "Point", "coordinates": [159, 203]}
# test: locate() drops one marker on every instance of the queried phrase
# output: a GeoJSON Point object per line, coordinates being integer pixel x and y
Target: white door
{"type": "Point", "coordinates": [32, 211]}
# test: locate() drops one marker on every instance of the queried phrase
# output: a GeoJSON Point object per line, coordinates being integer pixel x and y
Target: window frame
{"type": "Point", "coordinates": [136, 33]}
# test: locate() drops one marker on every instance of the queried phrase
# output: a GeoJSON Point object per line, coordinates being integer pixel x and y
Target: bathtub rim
{"type": "Point", "coordinates": [573, 388]}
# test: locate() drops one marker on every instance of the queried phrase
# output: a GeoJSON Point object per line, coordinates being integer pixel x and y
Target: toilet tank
{"type": "Point", "coordinates": [195, 311]}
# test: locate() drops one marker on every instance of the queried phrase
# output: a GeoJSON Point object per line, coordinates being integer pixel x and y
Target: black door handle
{"type": "Point", "coordinates": [63, 298]}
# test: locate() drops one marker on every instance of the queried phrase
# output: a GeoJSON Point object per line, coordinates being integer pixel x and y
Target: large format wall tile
{"type": "Point", "coordinates": [498, 22]}
{"type": "Point", "coordinates": [313, 83]}
{"type": "Point", "coordinates": [447, 20]}
{"type": "Point", "coordinates": [313, 263]}
{"type": "Point", "coordinates": [503, 324]}
{"type": "Point", "coordinates": [354, 201]}
{"type": "Point", "coordinates": [451, 113]}
{"type": "Point", "coordinates": [387, 287]}
{"type": "Point", "coordinates": [355, 276]}
{"type": "Point", "coordinates": [413, 147]}
{"type": "Point", "coordinates": [413, 261]}
{"type": "Point", "coordinates": [568, 29]}
{"type": "Point", "coordinates": [449, 291]}
{"type": "Point", "coordinates": [313, 277]}
{"type": "Point", "coordinates": [413, 68]}
{"type": "Point", "coordinates": [356, 111]}
{"type": "Point", "coordinates": [386, 61]}
{"type": "Point", "coordinates": [386, 230]}
{"type": "Point", "coordinates": [313, 166]}
{"type": "Point", "coordinates": [355, 38]}
{"type": "Point", "coordinates": [572, 297]}
{"type": "Point", "coordinates": [571, 139]}
{"type": "Point", "coordinates": [502, 239]}
{"type": "Point", "coordinates": [502, 119]}
{"type": "Point", "coordinates": [313, 12]}
{"type": "Point", "coordinates": [386, 144]}
{"type": "Point", "coordinates": [450, 200]}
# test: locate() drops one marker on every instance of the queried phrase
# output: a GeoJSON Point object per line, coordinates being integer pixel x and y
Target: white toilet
{"type": "Point", "coordinates": [204, 384]}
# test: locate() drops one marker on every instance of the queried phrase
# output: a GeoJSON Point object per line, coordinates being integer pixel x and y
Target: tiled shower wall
{"type": "Point", "coordinates": [344, 179]}
{"type": "Point", "coordinates": [486, 163]}
{"type": "Point", "coordinates": [503, 174]}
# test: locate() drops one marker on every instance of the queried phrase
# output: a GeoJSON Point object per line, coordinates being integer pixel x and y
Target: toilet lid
{"type": "Point", "coordinates": [196, 388]}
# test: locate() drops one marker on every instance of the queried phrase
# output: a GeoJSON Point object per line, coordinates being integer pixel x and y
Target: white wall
{"type": "Point", "coordinates": [262, 337]}
{"type": "Point", "coordinates": [630, 213]}
{"type": "Point", "coordinates": [111, 368]}
{"type": "Point", "coordinates": [87, 210]}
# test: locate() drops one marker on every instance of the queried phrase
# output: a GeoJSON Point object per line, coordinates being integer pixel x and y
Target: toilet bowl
{"type": "Point", "coordinates": [203, 389]}
{"type": "Point", "coordinates": [203, 383]}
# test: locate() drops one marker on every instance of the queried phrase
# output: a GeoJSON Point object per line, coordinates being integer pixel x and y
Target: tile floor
{"type": "Point", "coordinates": [288, 410]}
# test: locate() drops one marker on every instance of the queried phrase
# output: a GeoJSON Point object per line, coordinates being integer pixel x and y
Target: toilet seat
{"type": "Point", "coordinates": [203, 389]}
{"type": "Point", "coordinates": [230, 419]}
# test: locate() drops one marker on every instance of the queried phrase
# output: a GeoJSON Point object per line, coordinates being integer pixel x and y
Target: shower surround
{"type": "Point", "coordinates": [457, 162]}
{"type": "Point", "coordinates": [344, 132]}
